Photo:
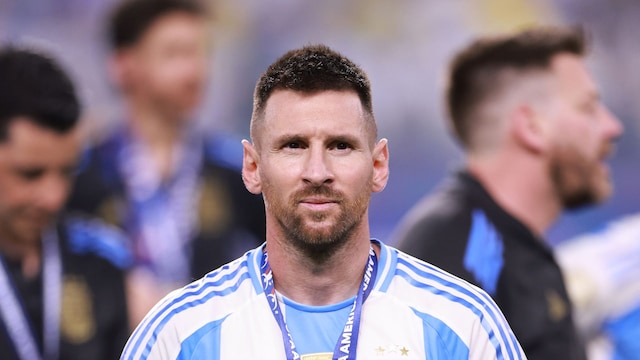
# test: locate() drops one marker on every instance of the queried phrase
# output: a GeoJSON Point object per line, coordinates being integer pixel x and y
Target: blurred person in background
{"type": "Point", "coordinates": [62, 287]}
{"type": "Point", "coordinates": [161, 179]}
{"type": "Point", "coordinates": [602, 272]}
{"type": "Point", "coordinates": [536, 135]}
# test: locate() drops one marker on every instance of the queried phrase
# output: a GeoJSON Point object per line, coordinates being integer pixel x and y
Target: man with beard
{"type": "Point", "coordinates": [321, 288]}
{"type": "Point", "coordinates": [536, 135]}
{"type": "Point", "coordinates": [62, 290]}
{"type": "Point", "coordinates": [167, 183]}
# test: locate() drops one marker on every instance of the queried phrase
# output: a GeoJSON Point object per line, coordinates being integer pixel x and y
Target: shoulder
{"type": "Point", "coordinates": [195, 308]}
{"type": "Point", "coordinates": [450, 305]}
{"type": "Point", "coordinates": [443, 215]}
{"type": "Point", "coordinates": [615, 243]}
{"type": "Point", "coordinates": [590, 276]}
{"type": "Point", "coordinates": [101, 152]}
{"type": "Point", "coordinates": [441, 208]}
{"type": "Point", "coordinates": [612, 235]}
{"type": "Point", "coordinates": [91, 236]}
{"type": "Point", "coordinates": [429, 280]}
{"type": "Point", "coordinates": [426, 281]}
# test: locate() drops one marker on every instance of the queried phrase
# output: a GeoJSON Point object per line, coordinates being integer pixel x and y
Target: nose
{"type": "Point", "coordinates": [613, 125]}
{"type": "Point", "coordinates": [317, 170]}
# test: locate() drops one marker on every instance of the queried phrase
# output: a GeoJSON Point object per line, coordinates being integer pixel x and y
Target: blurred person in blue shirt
{"type": "Point", "coordinates": [602, 272]}
{"type": "Point", "coordinates": [172, 188]}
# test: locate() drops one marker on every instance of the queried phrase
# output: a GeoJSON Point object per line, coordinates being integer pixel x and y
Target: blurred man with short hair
{"type": "Point", "coordinates": [536, 136]}
{"type": "Point", "coordinates": [62, 293]}
{"type": "Point", "coordinates": [171, 187]}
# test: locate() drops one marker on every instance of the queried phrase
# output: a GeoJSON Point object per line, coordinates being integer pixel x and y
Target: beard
{"type": "Point", "coordinates": [306, 232]}
{"type": "Point", "coordinates": [578, 180]}
{"type": "Point", "coordinates": [18, 228]}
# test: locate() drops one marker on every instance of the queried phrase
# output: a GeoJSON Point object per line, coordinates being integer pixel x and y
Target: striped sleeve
{"type": "Point", "coordinates": [185, 311]}
{"type": "Point", "coordinates": [464, 308]}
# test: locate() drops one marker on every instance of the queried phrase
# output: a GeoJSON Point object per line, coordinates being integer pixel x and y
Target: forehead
{"type": "Point", "coordinates": [174, 26]}
{"type": "Point", "coordinates": [30, 144]}
{"type": "Point", "coordinates": [572, 74]}
{"type": "Point", "coordinates": [326, 111]}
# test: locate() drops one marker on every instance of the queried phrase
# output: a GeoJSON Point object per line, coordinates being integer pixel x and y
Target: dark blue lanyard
{"type": "Point", "coordinates": [348, 341]}
{"type": "Point", "coordinates": [14, 316]}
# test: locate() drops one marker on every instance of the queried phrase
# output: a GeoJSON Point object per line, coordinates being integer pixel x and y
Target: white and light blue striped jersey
{"type": "Point", "coordinates": [415, 311]}
{"type": "Point", "coordinates": [602, 271]}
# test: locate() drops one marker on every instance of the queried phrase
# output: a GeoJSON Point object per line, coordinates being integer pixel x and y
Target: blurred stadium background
{"type": "Point", "coordinates": [404, 45]}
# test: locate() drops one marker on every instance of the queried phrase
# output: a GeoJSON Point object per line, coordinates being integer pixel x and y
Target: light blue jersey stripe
{"type": "Point", "coordinates": [483, 257]}
{"type": "Point", "coordinates": [437, 332]}
{"type": "Point", "coordinates": [203, 344]}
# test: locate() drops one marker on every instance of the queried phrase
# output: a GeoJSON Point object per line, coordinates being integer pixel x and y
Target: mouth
{"type": "Point", "coordinates": [38, 220]}
{"type": "Point", "coordinates": [318, 204]}
{"type": "Point", "coordinates": [607, 151]}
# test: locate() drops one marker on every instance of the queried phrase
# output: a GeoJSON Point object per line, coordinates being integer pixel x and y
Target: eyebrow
{"type": "Point", "coordinates": [348, 138]}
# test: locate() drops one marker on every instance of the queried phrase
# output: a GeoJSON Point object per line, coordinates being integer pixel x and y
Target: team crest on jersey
{"type": "Point", "coordinates": [213, 209]}
{"type": "Point", "coordinates": [556, 306]}
{"type": "Point", "coordinates": [392, 351]}
{"type": "Point", "coordinates": [110, 210]}
{"type": "Point", "coordinates": [77, 324]}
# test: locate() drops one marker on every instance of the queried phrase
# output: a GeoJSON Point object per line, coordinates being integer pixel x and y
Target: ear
{"type": "Point", "coordinates": [380, 166]}
{"type": "Point", "coordinates": [250, 173]}
{"type": "Point", "coordinates": [528, 128]}
{"type": "Point", "coordinates": [119, 67]}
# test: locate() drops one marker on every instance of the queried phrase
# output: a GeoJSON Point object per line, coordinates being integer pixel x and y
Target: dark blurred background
{"type": "Point", "coordinates": [404, 45]}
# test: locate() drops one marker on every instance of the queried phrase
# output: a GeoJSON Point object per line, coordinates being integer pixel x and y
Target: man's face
{"type": "Point", "coordinates": [167, 68]}
{"type": "Point", "coordinates": [318, 166]}
{"type": "Point", "coordinates": [36, 165]}
{"type": "Point", "coordinates": [583, 135]}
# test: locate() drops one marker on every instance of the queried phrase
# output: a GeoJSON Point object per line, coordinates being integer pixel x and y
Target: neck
{"type": "Point", "coordinates": [160, 133]}
{"type": "Point", "coordinates": [311, 282]}
{"type": "Point", "coordinates": [27, 253]}
{"type": "Point", "coordinates": [521, 186]}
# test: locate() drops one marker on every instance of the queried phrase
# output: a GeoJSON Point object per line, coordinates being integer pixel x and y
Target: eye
{"type": "Point", "coordinates": [293, 145]}
{"type": "Point", "coordinates": [30, 174]}
{"type": "Point", "coordinates": [342, 146]}
{"type": "Point", "coordinates": [590, 107]}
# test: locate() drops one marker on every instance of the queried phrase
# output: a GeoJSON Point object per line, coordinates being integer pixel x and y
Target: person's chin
{"type": "Point", "coordinates": [604, 190]}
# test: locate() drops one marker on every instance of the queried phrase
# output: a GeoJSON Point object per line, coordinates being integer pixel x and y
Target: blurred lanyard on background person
{"type": "Point", "coordinates": [348, 340]}
{"type": "Point", "coordinates": [161, 216]}
{"type": "Point", "coordinates": [14, 314]}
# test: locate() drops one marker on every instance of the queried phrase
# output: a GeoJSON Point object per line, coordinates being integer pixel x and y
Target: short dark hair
{"type": "Point", "coordinates": [474, 70]}
{"type": "Point", "coordinates": [35, 86]}
{"type": "Point", "coordinates": [130, 19]}
{"type": "Point", "coordinates": [312, 69]}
